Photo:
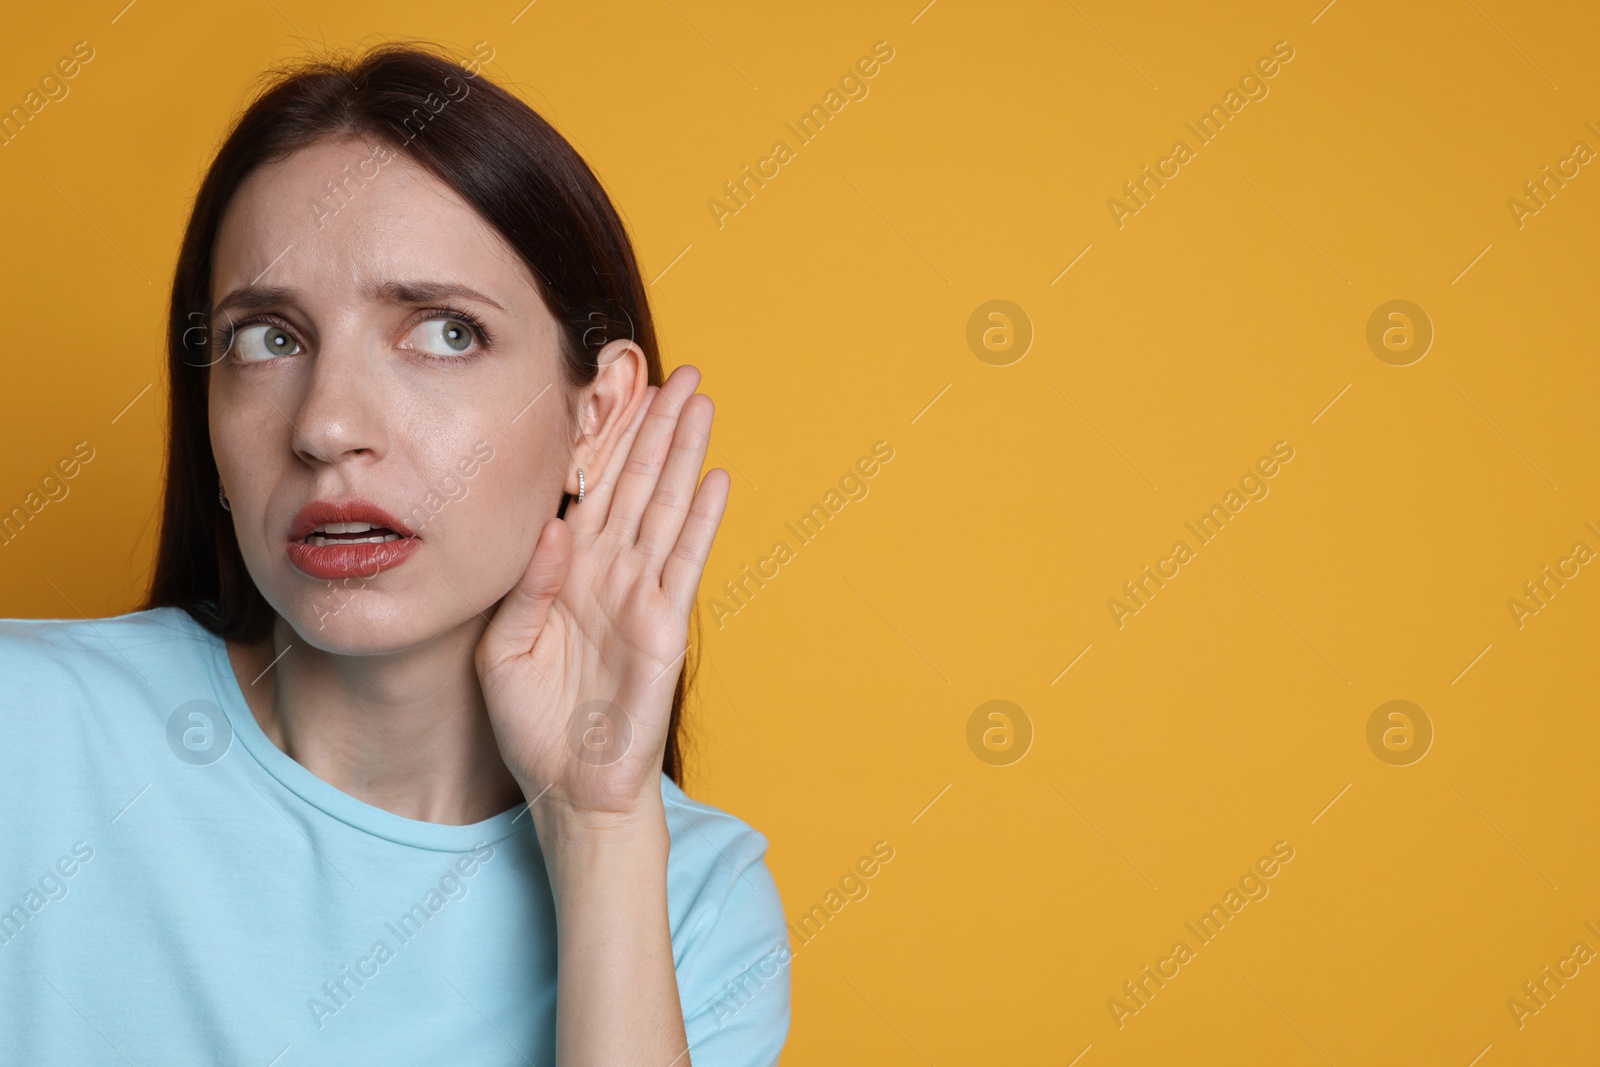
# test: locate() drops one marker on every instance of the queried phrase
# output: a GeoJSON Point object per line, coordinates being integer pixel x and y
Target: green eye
{"type": "Point", "coordinates": [443, 337]}
{"type": "Point", "coordinates": [264, 341]}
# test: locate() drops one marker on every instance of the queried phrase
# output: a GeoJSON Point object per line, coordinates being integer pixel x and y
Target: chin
{"type": "Point", "coordinates": [359, 622]}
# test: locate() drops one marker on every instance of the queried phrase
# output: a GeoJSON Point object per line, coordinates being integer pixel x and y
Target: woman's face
{"type": "Point", "coordinates": [354, 377]}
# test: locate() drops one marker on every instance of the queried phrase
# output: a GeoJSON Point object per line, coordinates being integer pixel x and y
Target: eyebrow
{"type": "Point", "coordinates": [256, 297]}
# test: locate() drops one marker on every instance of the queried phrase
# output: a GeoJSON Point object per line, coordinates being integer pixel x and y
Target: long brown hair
{"type": "Point", "coordinates": [504, 160]}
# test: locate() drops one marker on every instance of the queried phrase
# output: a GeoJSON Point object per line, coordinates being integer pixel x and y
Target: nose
{"type": "Point", "coordinates": [340, 416]}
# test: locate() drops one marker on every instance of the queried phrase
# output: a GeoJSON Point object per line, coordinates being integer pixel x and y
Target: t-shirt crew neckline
{"type": "Point", "coordinates": [328, 798]}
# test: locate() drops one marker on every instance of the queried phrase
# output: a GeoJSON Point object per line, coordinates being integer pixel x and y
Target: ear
{"type": "Point", "coordinates": [606, 407]}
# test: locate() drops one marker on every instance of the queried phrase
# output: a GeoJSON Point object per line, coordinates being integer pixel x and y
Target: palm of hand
{"type": "Point", "coordinates": [581, 660]}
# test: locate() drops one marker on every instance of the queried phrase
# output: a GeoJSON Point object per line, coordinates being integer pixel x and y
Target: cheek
{"type": "Point", "coordinates": [492, 494]}
{"type": "Point", "coordinates": [251, 447]}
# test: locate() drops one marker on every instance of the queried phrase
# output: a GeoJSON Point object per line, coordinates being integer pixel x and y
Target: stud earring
{"type": "Point", "coordinates": [222, 498]}
{"type": "Point", "coordinates": [580, 485]}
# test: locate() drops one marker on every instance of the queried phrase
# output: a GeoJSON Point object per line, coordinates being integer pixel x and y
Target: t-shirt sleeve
{"type": "Point", "coordinates": [734, 968]}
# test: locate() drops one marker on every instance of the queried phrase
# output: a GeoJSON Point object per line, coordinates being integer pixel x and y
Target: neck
{"type": "Point", "coordinates": [405, 731]}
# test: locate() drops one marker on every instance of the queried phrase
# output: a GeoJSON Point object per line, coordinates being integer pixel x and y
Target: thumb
{"type": "Point", "coordinates": [524, 610]}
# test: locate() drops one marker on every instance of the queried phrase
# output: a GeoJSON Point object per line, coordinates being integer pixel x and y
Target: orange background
{"type": "Point", "coordinates": [832, 312]}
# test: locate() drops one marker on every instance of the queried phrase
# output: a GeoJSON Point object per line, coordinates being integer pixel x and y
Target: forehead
{"type": "Point", "coordinates": [333, 219]}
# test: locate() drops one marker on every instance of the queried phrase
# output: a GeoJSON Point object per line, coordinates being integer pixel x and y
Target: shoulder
{"type": "Point", "coordinates": [85, 706]}
{"type": "Point", "coordinates": [717, 864]}
{"type": "Point", "coordinates": [35, 643]}
{"type": "Point", "coordinates": [62, 674]}
{"type": "Point", "coordinates": [730, 936]}
{"type": "Point", "coordinates": [716, 873]}
{"type": "Point", "coordinates": [709, 833]}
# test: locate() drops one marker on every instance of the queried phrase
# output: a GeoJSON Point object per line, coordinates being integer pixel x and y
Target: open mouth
{"type": "Point", "coordinates": [350, 533]}
{"type": "Point", "coordinates": [348, 539]}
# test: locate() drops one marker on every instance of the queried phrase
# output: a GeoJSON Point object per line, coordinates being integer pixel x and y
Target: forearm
{"type": "Point", "coordinates": [617, 990]}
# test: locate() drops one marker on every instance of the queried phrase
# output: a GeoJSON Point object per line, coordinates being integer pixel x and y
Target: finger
{"type": "Point", "coordinates": [589, 517]}
{"type": "Point", "coordinates": [525, 609]}
{"type": "Point", "coordinates": [680, 578]}
{"type": "Point", "coordinates": [648, 455]}
{"type": "Point", "coordinates": [669, 505]}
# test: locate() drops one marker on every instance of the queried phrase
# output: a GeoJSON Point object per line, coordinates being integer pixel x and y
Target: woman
{"type": "Point", "coordinates": [386, 769]}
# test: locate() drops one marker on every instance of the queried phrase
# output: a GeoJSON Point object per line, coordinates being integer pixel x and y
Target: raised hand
{"type": "Point", "coordinates": [580, 662]}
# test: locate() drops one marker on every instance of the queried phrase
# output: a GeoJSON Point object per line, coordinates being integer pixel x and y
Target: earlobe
{"type": "Point", "coordinates": [577, 478]}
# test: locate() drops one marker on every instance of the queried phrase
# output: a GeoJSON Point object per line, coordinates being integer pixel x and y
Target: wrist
{"type": "Point", "coordinates": [611, 861]}
{"type": "Point", "coordinates": [560, 824]}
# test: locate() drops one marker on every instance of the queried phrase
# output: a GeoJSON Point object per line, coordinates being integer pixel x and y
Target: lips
{"type": "Point", "coordinates": [348, 539]}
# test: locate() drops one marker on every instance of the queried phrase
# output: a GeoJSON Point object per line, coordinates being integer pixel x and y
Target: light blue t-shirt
{"type": "Point", "coordinates": [175, 889]}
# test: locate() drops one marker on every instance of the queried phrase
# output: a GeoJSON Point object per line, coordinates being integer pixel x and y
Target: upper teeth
{"type": "Point", "coordinates": [318, 535]}
{"type": "Point", "coordinates": [375, 539]}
